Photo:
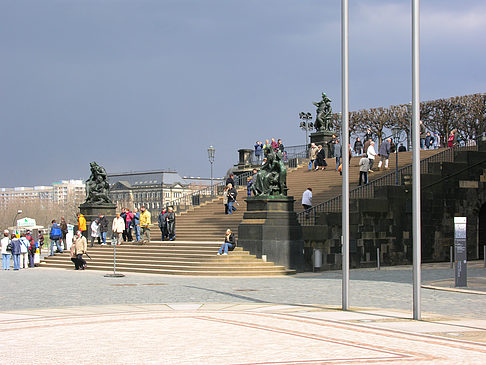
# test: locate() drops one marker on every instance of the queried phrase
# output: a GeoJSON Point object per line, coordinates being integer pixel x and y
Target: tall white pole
{"type": "Point", "coordinates": [416, 213]}
{"type": "Point", "coordinates": [345, 151]}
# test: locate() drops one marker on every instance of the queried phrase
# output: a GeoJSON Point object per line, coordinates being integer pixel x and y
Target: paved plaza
{"type": "Point", "coordinates": [85, 318]}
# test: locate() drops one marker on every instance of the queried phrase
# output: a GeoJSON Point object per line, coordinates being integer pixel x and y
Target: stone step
{"type": "Point", "coordinates": [234, 272]}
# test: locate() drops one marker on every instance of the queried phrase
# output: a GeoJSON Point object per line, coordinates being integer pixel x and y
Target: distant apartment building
{"type": "Point", "coordinates": [61, 192]}
{"type": "Point", "coordinates": [152, 189]}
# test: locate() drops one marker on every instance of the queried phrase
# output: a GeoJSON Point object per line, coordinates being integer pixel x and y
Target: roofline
{"type": "Point", "coordinates": [150, 172]}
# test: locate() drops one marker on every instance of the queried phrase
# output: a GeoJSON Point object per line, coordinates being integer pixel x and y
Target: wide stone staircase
{"type": "Point", "coordinates": [181, 258]}
{"type": "Point", "coordinates": [327, 184]}
{"type": "Point", "coordinates": [200, 231]}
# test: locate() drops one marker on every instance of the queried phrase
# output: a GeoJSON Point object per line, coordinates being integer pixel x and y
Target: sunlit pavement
{"type": "Point", "coordinates": [85, 318]}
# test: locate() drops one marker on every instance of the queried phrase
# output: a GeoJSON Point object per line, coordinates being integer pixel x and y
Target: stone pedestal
{"type": "Point", "coordinates": [92, 211]}
{"type": "Point", "coordinates": [270, 228]}
{"type": "Point", "coordinates": [323, 138]}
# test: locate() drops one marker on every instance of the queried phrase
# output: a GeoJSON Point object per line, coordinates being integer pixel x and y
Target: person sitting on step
{"type": "Point", "coordinates": [229, 243]}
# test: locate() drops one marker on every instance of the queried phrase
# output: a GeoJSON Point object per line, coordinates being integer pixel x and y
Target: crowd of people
{"type": "Point", "coordinates": [21, 249]}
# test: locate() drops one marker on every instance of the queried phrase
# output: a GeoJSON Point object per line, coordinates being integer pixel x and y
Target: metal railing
{"type": "Point", "coordinates": [292, 156]}
{"type": "Point", "coordinates": [334, 205]}
{"type": "Point", "coordinates": [197, 197]}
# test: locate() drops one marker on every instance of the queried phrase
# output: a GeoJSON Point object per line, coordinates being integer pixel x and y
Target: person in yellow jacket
{"type": "Point", "coordinates": [82, 225]}
{"type": "Point", "coordinates": [145, 222]}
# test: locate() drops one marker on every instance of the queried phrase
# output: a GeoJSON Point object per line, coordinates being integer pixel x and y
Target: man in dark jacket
{"type": "Point", "coordinates": [230, 180]}
{"type": "Point", "coordinates": [231, 198]}
{"type": "Point", "coordinates": [162, 219]}
{"type": "Point", "coordinates": [171, 224]}
{"type": "Point", "coordinates": [64, 232]}
{"type": "Point", "coordinates": [384, 152]}
{"type": "Point", "coordinates": [103, 227]}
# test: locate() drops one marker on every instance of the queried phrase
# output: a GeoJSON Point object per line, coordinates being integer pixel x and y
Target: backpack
{"type": "Point", "coordinates": [55, 232]}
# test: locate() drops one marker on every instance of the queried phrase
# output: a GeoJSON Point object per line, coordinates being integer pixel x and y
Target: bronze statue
{"type": "Point", "coordinates": [323, 114]}
{"type": "Point", "coordinates": [271, 180]}
{"type": "Point", "coordinates": [97, 187]}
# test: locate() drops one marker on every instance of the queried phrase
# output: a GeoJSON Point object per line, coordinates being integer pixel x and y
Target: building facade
{"type": "Point", "coordinates": [152, 189]}
{"type": "Point", "coordinates": [61, 192]}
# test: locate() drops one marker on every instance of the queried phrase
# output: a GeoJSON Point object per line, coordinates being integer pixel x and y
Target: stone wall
{"type": "Point", "coordinates": [385, 222]}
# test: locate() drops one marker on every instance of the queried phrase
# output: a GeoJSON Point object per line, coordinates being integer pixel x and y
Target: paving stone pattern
{"type": "Point", "coordinates": [387, 288]}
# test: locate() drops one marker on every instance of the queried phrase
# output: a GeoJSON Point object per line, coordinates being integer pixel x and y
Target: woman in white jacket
{"type": "Point", "coordinates": [118, 227]}
{"type": "Point", "coordinates": [95, 232]}
{"type": "Point", "coordinates": [6, 254]}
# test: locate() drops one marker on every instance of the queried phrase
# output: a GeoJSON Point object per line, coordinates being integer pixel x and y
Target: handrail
{"type": "Point", "coordinates": [308, 217]}
{"type": "Point", "coordinates": [193, 198]}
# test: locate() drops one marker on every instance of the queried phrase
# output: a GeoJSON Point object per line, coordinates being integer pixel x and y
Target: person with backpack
{"type": "Point", "coordinates": [229, 243]}
{"type": "Point", "coordinates": [6, 249]}
{"type": "Point", "coordinates": [55, 237]}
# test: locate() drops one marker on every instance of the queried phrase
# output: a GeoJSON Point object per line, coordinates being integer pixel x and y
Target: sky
{"type": "Point", "coordinates": [150, 84]}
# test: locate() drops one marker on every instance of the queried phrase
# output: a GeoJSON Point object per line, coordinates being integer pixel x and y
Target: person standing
{"type": "Point", "coordinates": [358, 147]}
{"type": "Point", "coordinates": [82, 225]}
{"type": "Point", "coordinates": [136, 224]}
{"type": "Point", "coordinates": [55, 237]}
{"type": "Point", "coordinates": [321, 158]}
{"type": "Point", "coordinates": [171, 218]}
{"type": "Point", "coordinates": [64, 232]}
{"type": "Point", "coordinates": [371, 155]}
{"type": "Point", "coordinates": [123, 214]}
{"type": "Point", "coordinates": [312, 156]}
{"type": "Point", "coordinates": [259, 152]}
{"type": "Point", "coordinates": [274, 145]}
{"type": "Point", "coordinates": [24, 251]}
{"type": "Point", "coordinates": [230, 180]}
{"type": "Point", "coordinates": [307, 199]}
{"type": "Point", "coordinates": [145, 222]}
{"type": "Point", "coordinates": [80, 247]}
{"type": "Point", "coordinates": [95, 232]}
{"type": "Point", "coordinates": [129, 224]}
{"type": "Point", "coordinates": [162, 220]}
{"type": "Point", "coordinates": [229, 243]}
{"type": "Point", "coordinates": [103, 226]}
{"type": "Point", "coordinates": [364, 166]}
{"type": "Point", "coordinates": [422, 135]}
{"type": "Point", "coordinates": [16, 247]}
{"type": "Point", "coordinates": [231, 198]}
{"type": "Point", "coordinates": [384, 152]}
{"type": "Point", "coordinates": [368, 136]}
{"type": "Point", "coordinates": [5, 249]}
{"type": "Point", "coordinates": [31, 249]}
{"type": "Point", "coordinates": [429, 141]}
{"type": "Point", "coordinates": [281, 147]}
{"type": "Point", "coordinates": [118, 226]}
{"type": "Point", "coordinates": [337, 153]}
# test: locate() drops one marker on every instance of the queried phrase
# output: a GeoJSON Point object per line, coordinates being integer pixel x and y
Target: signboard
{"type": "Point", "coordinates": [460, 251]}
{"type": "Point", "coordinates": [26, 223]}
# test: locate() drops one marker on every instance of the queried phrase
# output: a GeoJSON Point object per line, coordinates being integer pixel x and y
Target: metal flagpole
{"type": "Point", "coordinates": [345, 152]}
{"type": "Point", "coordinates": [416, 213]}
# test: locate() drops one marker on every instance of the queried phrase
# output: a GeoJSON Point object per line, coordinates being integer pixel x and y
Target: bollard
{"type": "Point", "coordinates": [451, 258]}
{"type": "Point", "coordinates": [378, 258]}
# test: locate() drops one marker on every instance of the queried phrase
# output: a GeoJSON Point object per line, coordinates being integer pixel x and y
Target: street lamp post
{"type": "Point", "coordinates": [396, 137]}
{"type": "Point", "coordinates": [16, 215]}
{"type": "Point", "coordinates": [211, 152]}
{"type": "Point", "coordinates": [306, 125]}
